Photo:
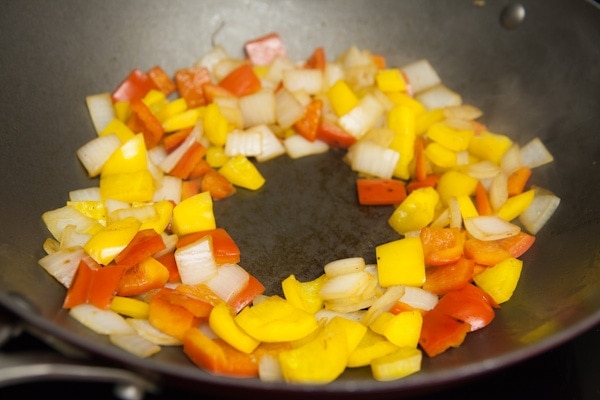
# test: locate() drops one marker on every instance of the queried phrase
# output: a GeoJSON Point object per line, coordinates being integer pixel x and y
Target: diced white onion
{"type": "Point", "coordinates": [168, 188]}
{"type": "Point", "coordinates": [86, 194]}
{"type": "Point", "coordinates": [70, 237]}
{"type": "Point", "coordinates": [229, 281]}
{"type": "Point", "coordinates": [170, 242]}
{"type": "Point", "coordinates": [344, 266]}
{"type": "Point", "coordinates": [421, 75]}
{"type": "Point", "coordinates": [498, 191]}
{"type": "Point", "coordinates": [269, 369]}
{"type": "Point", "coordinates": [224, 66]}
{"type": "Point", "coordinates": [442, 220]}
{"type": "Point", "coordinates": [144, 328]}
{"type": "Point", "coordinates": [419, 298]}
{"type": "Point", "coordinates": [349, 304]}
{"type": "Point", "coordinates": [100, 107]}
{"type": "Point", "coordinates": [63, 263]}
{"type": "Point", "coordinates": [104, 322]}
{"type": "Point", "coordinates": [464, 112]}
{"type": "Point", "coordinates": [134, 344]}
{"type": "Point", "coordinates": [540, 210]}
{"type": "Point", "coordinates": [535, 154]}
{"type": "Point", "coordinates": [288, 108]}
{"type": "Point", "coordinates": [51, 245]}
{"type": "Point", "coordinates": [483, 170]}
{"type": "Point", "coordinates": [171, 160]}
{"type": "Point", "coordinates": [324, 315]}
{"type": "Point", "coordinates": [383, 303]}
{"type": "Point", "coordinates": [438, 96]}
{"type": "Point", "coordinates": [271, 145]}
{"type": "Point", "coordinates": [212, 57]}
{"type": "Point", "coordinates": [277, 68]}
{"type": "Point", "coordinates": [94, 153]}
{"type": "Point", "coordinates": [196, 262]}
{"type": "Point", "coordinates": [362, 117]}
{"type": "Point", "coordinates": [144, 212]}
{"type": "Point", "coordinates": [309, 80]}
{"type": "Point", "coordinates": [372, 159]}
{"type": "Point", "coordinates": [455, 214]}
{"type": "Point", "coordinates": [258, 108]}
{"type": "Point", "coordinates": [346, 285]}
{"type": "Point", "coordinates": [296, 146]}
{"type": "Point", "coordinates": [333, 73]}
{"type": "Point", "coordinates": [56, 220]}
{"type": "Point", "coordinates": [511, 160]}
{"type": "Point", "coordinates": [490, 227]}
{"type": "Point", "coordinates": [247, 143]}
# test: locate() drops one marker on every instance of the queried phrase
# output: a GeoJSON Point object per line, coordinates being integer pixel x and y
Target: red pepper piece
{"type": "Point", "coordinates": [162, 81]}
{"type": "Point", "coordinates": [143, 121]}
{"type": "Point", "coordinates": [241, 81]}
{"type": "Point", "coordinates": [308, 125]}
{"type": "Point", "coordinates": [439, 332]}
{"type": "Point", "coordinates": [134, 87]}
{"type": "Point", "coordinates": [190, 82]}
{"type": "Point", "coordinates": [380, 191]}
{"type": "Point", "coordinates": [144, 244]}
{"type": "Point", "coordinates": [334, 135]}
{"type": "Point", "coordinates": [263, 50]}
{"type": "Point", "coordinates": [469, 304]}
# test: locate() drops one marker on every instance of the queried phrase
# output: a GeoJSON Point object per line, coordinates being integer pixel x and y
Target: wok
{"type": "Point", "coordinates": [536, 76]}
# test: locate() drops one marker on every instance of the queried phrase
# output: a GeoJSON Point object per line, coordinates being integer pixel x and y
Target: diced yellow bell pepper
{"type": "Point", "coordinates": [194, 214]}
{"type": "Point", "coordinates": [131, 156]}
{"type": "Point", "coordinates": [240, 171]}
{"type": "Point", "coordinates": [304, 295]}
{"type": "Point", "coordinates": [425, 120]}
{"type": "Point", "coordinates": [450, 138]}
{"type": "Point", "coordinates": [324, 358]}
{"type": "Point", "coordinates": [154, 100]}
{"type": "Point", "coordinates": [185, 119]}
{"type": "Point", "coordinates": [90, 208]}
{"type": "Point", "coordinates": [500, 280]}
{"type": "Point", "coordinates": [341, 97]}
{"type": "Point", "coordinates": [466, 206]}
{"type": "Point", "coordinates": [215, 125]}
{"type": "Point", "coordinates": [276, 320]}
{"type": "Point", "coordinates": [390, 80]}
{"type": "Point", "coordinates": [215, 156]}
{"type": "Point", "coordinates": [130, 307]}
{"type": "Point", "coordinates": [122, 110]}
{"type": "Point", "coordinates": [119, 128]}
{"type": "Point", "coordinates": [404, 362]}
{"type": "Point", "coordinates": [440, 155]}
{"type": "Point", "coordinates": [402, 329]}
{"type": "Point", "coordinates": [372, 345]}
{"type": "Point", "coordinates": [222, 322]}
{"type": "Point", "coordinates": [490, 146]}
{"type": "Point", "coordinates": [403, 99]}
{"type": "Point", "coordinates": [129, 187]}
{"type": "Point", "coordinates": [162, 216]}
{"type": "Point", "coordinates": [171, 109]}
{"type": "Point", "coordinates": [401, 119]}
{"type": "Point", "coordinates": [415, 212]}
{"type": "Point", "coordinates": [515, 205]}
{"type": "Point", "coordinates": [105, 244]}
{"type": "Point", "coordinates": [455, 184]}
{"type": "Point", "coordinates": [401, 262]}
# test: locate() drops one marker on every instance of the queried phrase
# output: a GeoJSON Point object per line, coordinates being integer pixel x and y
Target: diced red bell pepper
{"type": "Point", "coordinates": [442, 246]}
{"type": "Point", "coordinates": [246, 295]}
{"type": "Point", "coordinates": [518, 244]}
{"type": "Point", "coordinates": [93, 284]}
{"type": "Point", "coordinates": [190, 82]}
{"type": "Point", "coordinates": [143, 121]}
{"type": "Point", "coordinates": [134, 87]}
{"type": "Point", "coordinates": [188, 161]}
{"type": "Point", "coordinates": [241, 81]}
{"type": "Point", "coordinates": [334, 135]}
{"type": "Point", "coordinates": [142, 277]}
{"type": "Point", "coordinates": [308, 125]}
{"type": "Point", "coordinates": [380, 191]}
{"type": "Point", "coordinates": [144, 244]}
{"type": "Point", "coordinates": [213, 91]}
{"type": "Point", "coordinates": [485, 252]}
{"type": "Point", "coordinates": [173, 140]}
{"type": "Point", "coordinates": [468, 304]}
{"type": "Point", "coordinates": [430, 180]}
{"type": "Point", "coordinates": [264, 49]}
{"type": "Point", "coordinates": [168, 260]}
{"type": "Point", "coordinates": [317, 59]}
{"type": "Point", "coordinates": [445, 278]}
{"type": "Point", "coordinates": [162, 81]}
{"type": "Point", "coordinates": [217, 185]}
{"type": "Point", "coordinates": [172, 319]}
{"type": "Point", "coordinates": [482, 200]}
{"type": "Point", "coordinates": [225, 250]}
{"type": "Point", "coordinates": [439, 332]}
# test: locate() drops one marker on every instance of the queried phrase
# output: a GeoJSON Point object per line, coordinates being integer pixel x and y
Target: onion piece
{"type": "Point", "coordinates": [288, 108]}
{"type": "Point", "coordinates": [511, 160]}
{"type": "Point", "coordinates": [333, 73]}
{"type": "Point", "coordinates": [258, 108]}
{"type": "Point", "coordinates": [70, 237]}
{"type": "Point", "coordinates": [325, 316]}
{"type": "Point", "coordinates": [421, 75]}
{"type": "Point", "coordinates": [271, 145]}
{"type": "Point", "coordinates": [348, 305]}
{"type": "Point", "coordinates": [168, 188]}
{"type": "Point", "coordinates": [456, 220]}
{"type": "Point", "coordinates": [362, 117]}
{"type": "Point", "coordinates": [383, 303]}
{"type": "Point", "coordinates": [540, 210]}
{"type": "Point", "coordinates": [94, 153]}
{"type": "Point", "coordinates": [419, 298]}
{"type": "Point", "coordinates": [463, 111]}
{"type": "Point", "coordinates": [247, 143]}
{"type": "Point", "coordinates": [309, 80]}
{"type": "Point", "coordinates": [196, 262]}
{"type": "Point", "coordinates": [63, 264]}
{"type": "Point", "coordinates": [438, 96]}
{"type": "Point", "coordinates": [134, 344]}
{"type": "Point", "coordinates": [372, 159]}
{"type": "Point", "coordinates": [346, 285]}
{"type": "Point", "coordinates": [145, 329]}
{"type": "Point", "coordinates": [230, 280]}
{"type": "Point", "coordinates": [344, 266]}
{"type": "Point", "coordinates": [269, 369]}
{"type": "Point", "coordinates": [498, 190]}
{"type": "Point", "coordinates": [490, 227]}
{"type": "Point", "coordinates": [535, 154]}
{"type": "Point", "coordinates": [104, 322]}
{"type": "Point", "coordinates": [56, 220]}
{"type": "Point", "coordinates": [483, 170]}
{"type": "Point", "coordinates": [85, 194]}
{"type": "Point", "coordinates": [100, 107]}
{"type": "Point", "coordinates": [171, 160]}
{"type": "Point", "coordinates": [297, 146]}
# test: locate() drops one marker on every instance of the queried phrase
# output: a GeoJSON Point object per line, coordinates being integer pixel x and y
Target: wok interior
{"type": "Point", "coordinates": [537, 80]}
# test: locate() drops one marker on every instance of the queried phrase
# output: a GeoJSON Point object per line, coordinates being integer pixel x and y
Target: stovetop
{"type": "Point", "coordinates": [570, 371]}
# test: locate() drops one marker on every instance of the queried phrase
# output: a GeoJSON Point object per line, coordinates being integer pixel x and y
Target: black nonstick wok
{"type": "Point", "coordinates": [531, 67]}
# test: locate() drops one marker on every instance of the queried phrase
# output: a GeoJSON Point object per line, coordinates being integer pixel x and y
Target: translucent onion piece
{"type": "Point", "coordinates": [498, 191]}
{"type": "Point", "coordinates": [277, 68]}
{"type": "Point", "coordinates": [348, 305]}
{"type": "Point", "coordinates": [421, 75]}
{"type": "Point", "coordinates": [438, 96]}
{"type": "Point", "coordinates": [63, 264]}
{"type": "Point", "coordinates": [51, 245]}
{"type": "Point", "coordinates": [372, 159]}
{"type": "Point", "coordinates": [142, 213]}
{"type": "Point", "coordinates": [230, 280]}
{"type": "Point", "coordinates": [296, 146]}
{"type": "Point", "coordinates": [464, 111]}
{"type": "Point", "coordinates": [490, 227]}
{"type": "Point", "coordinates": [100, 107]}
{"type": "Point", "coordinates": [70, 237]}
{"type": "Point", "coordinates": [344, 266]}
{"type": "Point", "coordinates": [170, 242]}
{"type": "Point", "coordinates": [269, 369]}
{"type": "Point", "coordinates": [212, 57]}
{"type": "Point", "coordinates": [442, 220]}
{"type": "Point", "coordinates": [171, 160]}
{"type": "Point", "coordinates": [540, 210]}
{"type": "Point", "coordinates": [346, 285]}
{"type": "Point", "coordinates": [419, 298]}
{"type": "Point", "coordinates": [94, 153]}
{"type": "Point", "coordinates": [309, 80]}
{"type": "Point", "coordinates": [383, 303]}
{"type": "Point", "coordinates": [168, 188]}
{"type": "Point", "coordinates": [104, 322]}
{"type": "Point", "coordinates": [333, 73]}
{"type": "Point", "coordinates": [56, 220]}
{"type": "Point", "coordinates": [86, 194]}
{"type": "Point", "coordinates": [324, 315]}
{"type": "Point", "coordinates": [483, 170]}
{"type": "Point", "coordinates": [196, 262]}
{"type": "Point", "coordinates": [258, 108]}
{"type": "Point", "coordinates": [511, 160]}
{"type": "Point", "coordinates": [134, 344]}
{"type": "Point", "coordinates": [535, 154]}
{"type": "Point", "coordinates": [362, 117]}
{"type": "Point", "coordinates": [247, 143]}
{"type": "Point", "coordinates": [145, 329]}
{"type": "Point", "coordinates": [271, 145]}
{"type": "Point", "coordinates": [288, 108]}
{"type": "Point", "coordinates": [456, 220]}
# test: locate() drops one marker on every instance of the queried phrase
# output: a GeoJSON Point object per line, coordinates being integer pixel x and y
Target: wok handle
{"type": "Point", "coordinates": [41, 365]}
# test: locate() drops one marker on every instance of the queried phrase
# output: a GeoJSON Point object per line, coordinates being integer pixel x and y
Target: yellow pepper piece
{"type": "Point", "coordinates": [131, 156]}
{"type": "Point", "coordinates": [500, 280]}
{"type": "Point", "coordinates": [371, 346]}
{"type": "Point", "coordinates": [404, 362]}
{"type": "Point", "coordinates": [342, 98]}
{"type": "Point", "coordinates": [425, 120]}
{"type": "Point", "coordinates": [401, 119]}
{"type": "Point", "coordinates": [324, 358]}
{"type": "Point", "coordinates": [154, 100]}
{"type": "Point", "coordinates": [130, 307]}
{"type": "Point", "coordinates": [455, 184]}
{"type": "Point", "coordinates": [215, 125]}
{"type": "Point", "coordinates": [240, 171]}
{"type": "Point", "coordinates": [304, 295]}
{"type": "Point", "coordinates": [122, 110]}
{"type": "Point", "coordinates": [466, 206]}
{"type": "Point", "coordinates": [194, 214]}
{"type": "Point", "coordinates": [403, 329]}
{"type": "Point", "coordinates": [401, 262]}
{"type": "Point", "coordinates": [440, 155]}
{"type": "Point", "coordinates": [453, 139]}
{"type": "Point", "coordinates": [171, 109]}
{"type": "Point", "coordinates": [90, 208]}
{"type": "Point", "coordinates": [128, 187]}
{"type": "Point", "coordinates": [515, 205]}
{"type": "Point", "coordinates": [415, 212]}
{"type": "Point", "coordinates": [276, 320]}
{"type": "Point", "coordinates": [161, 217]}
{"type": "Point", "coordinates": [490, 146]}
{"type": "Point", "coordinates": [403, 99]}
{"type": "Point", "coordinates": [390, 80]}
{"type": "Point", "coordinates": [105, 244]}
{"type": "Point", "coordinates": [119, 128]}
{"type": "Point", "coordinates": [215, 156]}
{"type": "Point", "coordinates": [185, 119]}
{"type": "Point", "coordinates": [221, 321]}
